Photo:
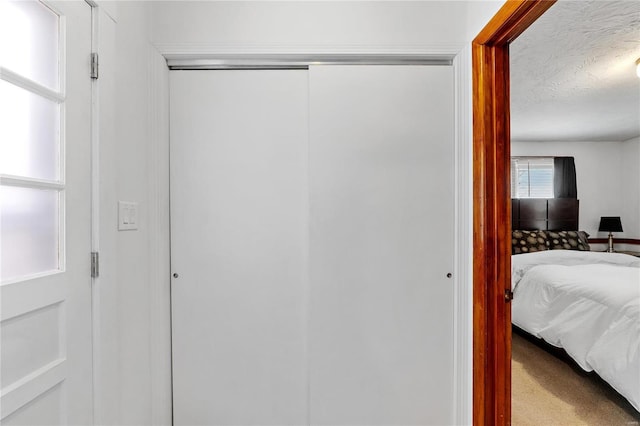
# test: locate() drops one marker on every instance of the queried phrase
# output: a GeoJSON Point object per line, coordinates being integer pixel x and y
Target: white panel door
{"type": "Point", "coordinates": [45, 308]}
{"type": "Point", "coordinates": [381, 245]}
{"type": "Point", "coordinates": [239, 238]}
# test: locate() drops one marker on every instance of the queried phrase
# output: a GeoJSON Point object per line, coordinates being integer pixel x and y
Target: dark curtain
{"type": "Point", "coordinates": [564, 178]}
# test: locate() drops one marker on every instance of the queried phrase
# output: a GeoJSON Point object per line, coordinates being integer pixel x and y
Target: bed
{"type": "Point", "coordinates": [585, 302]}
{"type": "Point", "coordinates": [588, 304]}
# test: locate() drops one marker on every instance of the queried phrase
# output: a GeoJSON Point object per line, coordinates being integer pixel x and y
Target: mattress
{"type": "Point", "coordinates": [587, 303]}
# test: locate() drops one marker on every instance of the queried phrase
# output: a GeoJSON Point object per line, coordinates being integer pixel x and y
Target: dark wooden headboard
{"type": "Point", "coordinates": [551, 214]}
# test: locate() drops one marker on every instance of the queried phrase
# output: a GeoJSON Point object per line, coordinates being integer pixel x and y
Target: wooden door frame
{"type": "Point", "coordinates": [492, 209]}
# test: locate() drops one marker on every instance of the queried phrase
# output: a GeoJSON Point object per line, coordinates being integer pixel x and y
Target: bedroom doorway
{"type": "Point", "coordinates": [492, 334]}
{"type": "Point", "coordinates": [577, 163]}
{"type": "Point", "coordinates": [492, 210]}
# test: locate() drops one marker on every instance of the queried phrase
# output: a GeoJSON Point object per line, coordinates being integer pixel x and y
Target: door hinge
{"type": "Point", "coordinates": [95, 264]}
{"type": "Point", "coordinates": [508, 295]}
{"type": "Point", "coordinates": [94, 65]}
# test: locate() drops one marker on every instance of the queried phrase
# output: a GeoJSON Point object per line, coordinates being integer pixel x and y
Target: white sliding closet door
{"type": "Point", "coordinates": [381, 245]}
{"type": "Point", "coordinates": [239, 235]}
{"type": "Point", "coordinates": [312, 234]}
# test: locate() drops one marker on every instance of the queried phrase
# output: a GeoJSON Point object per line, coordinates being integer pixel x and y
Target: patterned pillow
{"type": "Point", "coordinates": [584, 238]}
{"type": "Point", "coordinates": [528, 241]}
{"type": "Point", "coordinates": [568, 240]}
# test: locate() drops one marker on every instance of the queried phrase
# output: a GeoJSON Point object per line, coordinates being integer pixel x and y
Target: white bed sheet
{"type": "Point", "coordinates": [587, 303]}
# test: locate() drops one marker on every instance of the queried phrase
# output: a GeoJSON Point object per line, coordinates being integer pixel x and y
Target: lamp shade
{"type": "Point", "coordinates": [610, 224]}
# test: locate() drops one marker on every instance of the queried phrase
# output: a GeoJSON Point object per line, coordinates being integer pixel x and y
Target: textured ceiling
{"type": "Point", "coordinates": [573, 74]}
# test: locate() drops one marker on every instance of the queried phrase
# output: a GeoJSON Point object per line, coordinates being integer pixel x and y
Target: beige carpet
{"type": "Point", "coordinates": [547, 391]}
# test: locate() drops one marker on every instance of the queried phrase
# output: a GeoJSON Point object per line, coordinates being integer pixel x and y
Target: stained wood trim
{"type": "Point", "coordinates": [615, 240]}
{"type": "Point", "coordinates": [492, 210]}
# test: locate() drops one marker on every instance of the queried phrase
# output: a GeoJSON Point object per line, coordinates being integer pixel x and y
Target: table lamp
{"type": "Point", "coordinates": [610, 224]}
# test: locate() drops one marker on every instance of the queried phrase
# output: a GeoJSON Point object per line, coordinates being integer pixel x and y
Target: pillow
{"type": "Point", "coordinates": [568, 240]}
{"type": "Point", "coordinates": [528, 241]}
{"type": "Point", "coordinates": [584, 238]}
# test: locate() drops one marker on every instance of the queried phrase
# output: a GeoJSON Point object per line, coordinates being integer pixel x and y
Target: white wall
{"type": "Point", "coordinates": [317, 25]}
{"type": "Point", "coordinates": [131, 333]}
{"type": "Point", "coordinates": [479, 13]}
{"type": "Point", "coordinates": [132, 139]}
{"type": "Point", "coordinates": [607, 180]}
{"type": "Point", "coordinates": [631, 187]}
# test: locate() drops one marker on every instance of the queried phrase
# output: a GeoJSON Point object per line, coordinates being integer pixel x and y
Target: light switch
{"type": "Point", "coordinates": [127, 216]}
{"type": "Point", "coordinates": [133, 215]}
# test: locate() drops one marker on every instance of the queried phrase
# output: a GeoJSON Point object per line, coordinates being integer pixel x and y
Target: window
{"type": "Point", "coordinates": [531, 177]}
{"type": "Point", "coordinates": [31, 140]}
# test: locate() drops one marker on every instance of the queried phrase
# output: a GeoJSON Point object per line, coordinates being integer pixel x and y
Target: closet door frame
{"type": "Point", "coordinates": [459, 56]}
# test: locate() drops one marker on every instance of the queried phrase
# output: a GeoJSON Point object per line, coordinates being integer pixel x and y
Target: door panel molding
{"type": "Point", "coordinates": [28, 389]}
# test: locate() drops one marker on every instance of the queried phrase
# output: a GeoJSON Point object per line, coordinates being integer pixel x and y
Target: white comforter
{"type": "Point", "coordinates": [587, 303]}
